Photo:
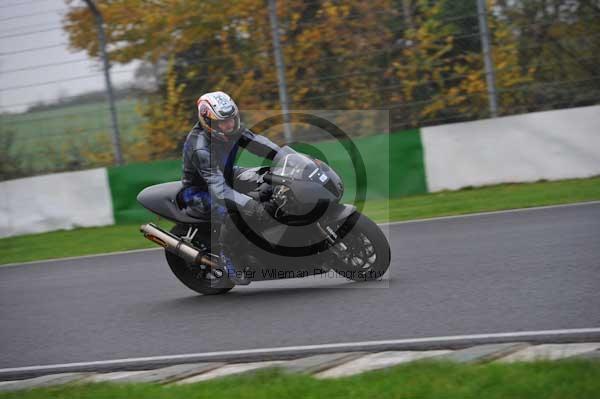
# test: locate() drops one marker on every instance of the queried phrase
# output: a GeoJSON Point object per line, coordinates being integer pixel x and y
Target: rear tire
{"type": "Point", "coordinates": [192, 278]}
{"type": "Point", "coordinates": [368, 254]}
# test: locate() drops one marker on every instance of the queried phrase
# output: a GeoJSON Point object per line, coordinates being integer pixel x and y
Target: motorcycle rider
{"type": "Point", "coordinates": [208, 155]}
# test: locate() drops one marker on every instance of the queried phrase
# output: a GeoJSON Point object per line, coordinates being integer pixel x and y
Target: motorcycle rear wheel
{"type": "Point", "coordinates": [191, 276]}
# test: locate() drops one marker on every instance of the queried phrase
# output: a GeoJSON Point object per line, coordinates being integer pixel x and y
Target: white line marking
{"type": "Point", "coordinates": [433, 219]}
{"type": "Point", "coordinates": [290, 349]}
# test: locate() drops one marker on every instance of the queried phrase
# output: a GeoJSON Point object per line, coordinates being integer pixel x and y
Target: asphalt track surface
{"type": "Point", "coordinates": [519, 271]}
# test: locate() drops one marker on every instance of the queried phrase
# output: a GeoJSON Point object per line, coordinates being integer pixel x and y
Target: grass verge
{"type": "Point", "coordinates": [563, 379]}
{"type": "Point", "coordinates": [127, 237]}
{"type": "Point", "coordinates": [493, 198]}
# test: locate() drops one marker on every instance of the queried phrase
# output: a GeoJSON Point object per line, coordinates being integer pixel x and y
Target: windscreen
{"type": "Point", "coordinates": [291, 164]}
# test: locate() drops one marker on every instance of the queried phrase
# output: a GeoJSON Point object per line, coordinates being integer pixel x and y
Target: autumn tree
{"type": "Point", "coordinates": [560, 40]}
{"type": "Point", "coordinates": [333, 50]}
{"type": "Point", "coordinates": [441, 67]}
{"type": "Point", "coordinates": [167, 121]}
{"type": "Point", "coordinates": [419, 58]}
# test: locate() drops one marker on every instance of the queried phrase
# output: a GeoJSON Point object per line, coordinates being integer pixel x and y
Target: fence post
{"type": "Point", "coordinates": [106, 66]}
{"type": "Point", "coordinates": [490, 74]}
{"type": "Point", "coordinates": [279, 63]}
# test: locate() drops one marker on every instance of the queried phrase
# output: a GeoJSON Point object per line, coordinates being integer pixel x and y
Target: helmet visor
{"type": "Point", "coordinates": [227, 126]}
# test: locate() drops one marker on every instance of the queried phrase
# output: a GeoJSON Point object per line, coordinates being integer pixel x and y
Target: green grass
{"type": "Point", "coordinates": [547, 380]}
{"type": "Point", "coordinates": [48, 140]}
{"type": "Point", "coordinates": [84, 241]}
{"type": "Point", "coordinates": [72, 243]}
{"type": "Point", "coordinates": [126, 237]}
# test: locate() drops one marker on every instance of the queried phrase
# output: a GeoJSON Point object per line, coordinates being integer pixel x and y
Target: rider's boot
{"type": "Point", "coordinates": [237, 277]}
{"type": "Point", "coordinates": [227, 234]}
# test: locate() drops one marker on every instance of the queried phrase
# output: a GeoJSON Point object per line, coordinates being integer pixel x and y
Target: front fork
{"type": "Point", "coordinates": [334, 244]}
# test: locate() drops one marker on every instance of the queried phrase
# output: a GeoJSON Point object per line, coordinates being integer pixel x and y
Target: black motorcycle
{"type": "Point", "coordinates": [309, 233]}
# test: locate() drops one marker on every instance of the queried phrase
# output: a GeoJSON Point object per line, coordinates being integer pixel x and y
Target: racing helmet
{"type": "Point", "coordinates": [218, 115]}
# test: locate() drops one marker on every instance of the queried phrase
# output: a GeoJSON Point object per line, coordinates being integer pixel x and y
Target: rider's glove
{"type": "Point", "coordinates": [259, 211]}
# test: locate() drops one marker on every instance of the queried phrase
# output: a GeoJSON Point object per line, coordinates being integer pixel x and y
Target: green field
{"type": "Point", "coordinates": [544, 380]}
{"type": "Point", "coordinates": [46, 141]}
{"type": "Point", "coordinates": [127, 237]}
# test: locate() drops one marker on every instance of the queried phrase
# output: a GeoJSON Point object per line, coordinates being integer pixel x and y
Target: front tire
{"type": "Point", "coordinates": [194, 278]}
{"type": "Point", "coordinates": [367, 253]}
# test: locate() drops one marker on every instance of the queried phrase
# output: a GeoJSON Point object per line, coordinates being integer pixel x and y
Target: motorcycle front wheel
{"type": "Point", "coordinates": [363, 252]}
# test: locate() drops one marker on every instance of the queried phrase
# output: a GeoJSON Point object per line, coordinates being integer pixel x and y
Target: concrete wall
{"type": "Point", "coordinates": [54, 202]}
{"type": "Point", "coordinates": [524, 148]}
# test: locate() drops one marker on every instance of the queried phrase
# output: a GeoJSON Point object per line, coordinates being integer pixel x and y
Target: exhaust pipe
{"type": "Point", "coordinates": [175, 245]}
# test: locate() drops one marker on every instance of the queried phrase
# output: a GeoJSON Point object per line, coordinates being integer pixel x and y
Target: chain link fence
{"type": "Point", "coordinates": [421, 60]}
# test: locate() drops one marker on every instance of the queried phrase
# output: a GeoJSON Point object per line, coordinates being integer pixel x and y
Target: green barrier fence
{"type": "Point", "coordinates": [393, 164]}
{"type": "Point", "coordinates": [127, 181]}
